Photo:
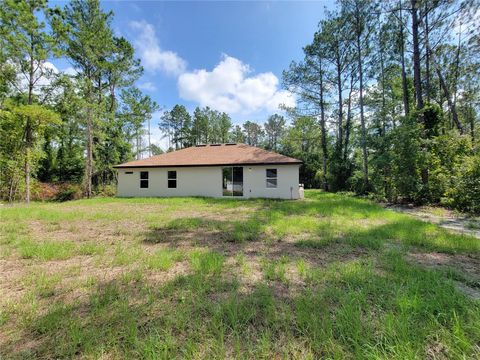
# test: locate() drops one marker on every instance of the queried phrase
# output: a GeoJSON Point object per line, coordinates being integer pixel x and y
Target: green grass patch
{"type": "Point", "coordinates": [90, 248]}
{"type": "Point", "coordinates": [206, 262]}
{"type": "Point", "coordinates": [126, 255]}
{"type": "Point", "coordinates": [163, 259]}
{"type": "Point", "coordinates": [325, 277]}
{"type": "Point", "coordinates": [275, 270]}
{"type": "Point", "coordinates": [45, 250]}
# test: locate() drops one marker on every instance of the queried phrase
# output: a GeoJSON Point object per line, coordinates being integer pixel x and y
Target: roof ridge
{"type": "Point", "coordinates": [213, 155]}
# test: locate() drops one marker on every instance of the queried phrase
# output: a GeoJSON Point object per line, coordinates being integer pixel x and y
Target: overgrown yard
{"type": "Point", "coordinates": [331, 276]}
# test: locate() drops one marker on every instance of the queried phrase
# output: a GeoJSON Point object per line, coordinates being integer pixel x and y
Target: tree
{"type": "Point", "coordinates": [136, 109]}
{"type": "Point", "coordinates": [104, 64]}
{"type": "Point", "coordinates": [274, 129]}
{"type": "Point", "coordinates": [308, 79]}
{"type": "Point", "coordinates": [70, 141]}
{"type": "Point", "coordinates": [200, 131]}
{"type": "Point", "coordinates": [224, 126]}
{"type": "Point", "coordinates": [156, 150]}
{"type": "Point", "coordinates": [27, 45]}
{"type": "Point", "coordinates": [253, 133]}
{"type": "Point", "coordinates": [16, 147]}
{"type": "Point", "coordinates": [87, 40]}
{"type": "Point", "coordinates": [237, 135]}
{"type": "Point", "coordinates": [301, 141]}
{"type": "Point", "coordinates": [417, 78]}
{"type": "Point", "coordinates": [361, 16]}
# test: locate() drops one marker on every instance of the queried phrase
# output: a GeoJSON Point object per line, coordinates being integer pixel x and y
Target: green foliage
{"type": "Point", "coordinates": [354, 114]}
{"type": "Point", "coordinates": [464, 194]}
{"type": "Point", "coordinates": [301, 141]}
{"type": "Point", "coordinates": [70, 192]}
{"type": "Point", "coordinates": [15, 150]}
{"type": "Point", "coordinates": [253, 133]}
{"type": "Point", "coordinates": [407, 158]}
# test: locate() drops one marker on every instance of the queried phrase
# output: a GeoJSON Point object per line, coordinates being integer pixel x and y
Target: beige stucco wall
{"type": "Point", "coordinates": [207, 181]}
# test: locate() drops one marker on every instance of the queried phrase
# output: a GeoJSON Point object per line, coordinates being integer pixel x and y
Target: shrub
{"type": "Point", "coordinates": [106, 191]}
{"type": "Point", "coordinates": [55, 191]}
{"type": "Point", "coordinates": [70, 192]}
{"type": "Point", "coordinates": [43, 191]}
{"type": "Point", "coordinates": [465, 192]}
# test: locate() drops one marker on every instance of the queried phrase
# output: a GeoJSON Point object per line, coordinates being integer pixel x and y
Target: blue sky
{"type": "Point", "coordinates": [227, 55]}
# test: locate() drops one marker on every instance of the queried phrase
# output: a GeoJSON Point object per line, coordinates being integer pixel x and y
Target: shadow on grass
{"type": "Point", "coordinates": [264, 225]}
{"type": "Point", "coordinates": [201, 228]}
{"type": "Point", "coordinates": [371, 306]}
{"type": "Point", "coordinates": [354, 310]}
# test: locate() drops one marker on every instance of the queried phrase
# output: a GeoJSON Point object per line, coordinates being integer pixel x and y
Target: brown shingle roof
{"type": "Point", "coordinates": [207, 155]}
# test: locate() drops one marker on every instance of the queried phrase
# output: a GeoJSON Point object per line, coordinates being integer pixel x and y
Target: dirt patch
{"type": "Point", "coordinates": [82, 230]}
{"type": "Point", "coordinates": [158, 277]}
{"type": "Point", "coordinates": [468, 264]}
{"type": "Point", "coordinates": [442, 217]}
{"type": "Point", "coordinates": [465, 268]}
{"type": "Point", "coordinates": [10, 280]}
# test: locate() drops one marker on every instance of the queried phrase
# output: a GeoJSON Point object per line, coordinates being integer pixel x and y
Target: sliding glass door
{"type": "Point", "coordinates": [232, 181]}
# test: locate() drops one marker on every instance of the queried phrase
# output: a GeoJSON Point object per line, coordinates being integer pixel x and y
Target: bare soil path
{"type": "Point", "coordinates": [466, 268]}
{"type": "Point", "coordinates": [445, 218]}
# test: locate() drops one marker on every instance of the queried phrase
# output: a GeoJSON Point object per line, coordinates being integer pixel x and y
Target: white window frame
{"type": "Point", "coordinates": [275, 178]}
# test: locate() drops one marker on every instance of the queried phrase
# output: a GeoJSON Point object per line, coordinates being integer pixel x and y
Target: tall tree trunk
{"type": "Point", "coordinates": [451, 104]}
{"type": "Point", "coordinates": [89, 158]}
{"type": "Point", "coordinates": [457, 66]}
{"type": "Point", "coordinates": [382, 127]}
{"type": "Point", "coordinates": [406, 104]}
{"type": "Point", "coordinates": [149, 139]}
{"type": "Point", "coordinates": [349, 120]}
{"type": "Point", "coordinates": [28, 125]}
{"type": "Point", "coordinates": [137, 145]}
{"type": "Point", "coordinates": [384, 101]}
{"type": "Point", "coordinates": [323, 129]}
{"type": "Point", "coordinates": [427, 54]}
{"type": "Point", "coordinates": [417, 77]}
{"type": "Point", "coordinates": [362, 115]}
{"type": "Point", "coordinates": [340, 99]}
{"type": "Point", "coordinates": [472, 128]}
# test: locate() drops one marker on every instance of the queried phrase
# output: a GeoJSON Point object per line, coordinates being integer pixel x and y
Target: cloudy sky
{"type": "Point", "coordinates": [226, 55]}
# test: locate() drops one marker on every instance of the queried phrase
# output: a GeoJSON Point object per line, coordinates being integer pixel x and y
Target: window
{"type": "Point", "coordinates": [128, 172]}
{"type": "Point", "coordinates": [232, 181]}
{"type": "Point", "coordinates": [172, 179]}
{"type": "Point", "coordinates": [271, 178]}
{"type": "Point", "coordinates": [144, 179]}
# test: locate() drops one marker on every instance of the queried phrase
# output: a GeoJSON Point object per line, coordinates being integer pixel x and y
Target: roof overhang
{"type": "Point", "coordinates": [206, 165]}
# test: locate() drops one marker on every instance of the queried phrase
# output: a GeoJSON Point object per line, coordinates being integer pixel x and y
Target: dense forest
{"type": "Point", "coordinates": [388, 103]}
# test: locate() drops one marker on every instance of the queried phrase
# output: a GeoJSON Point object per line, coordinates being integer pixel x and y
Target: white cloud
{"type": "Point", "coordinates": [70, 71]}
{"type": "Point", "coordinates": [147, 86]}
{"type": "Point", "coordinates": [153, 57]}
{"type": "Point", "coordinates": [43, 76]}
{"type": "Point", "coordinates": [229, 88]}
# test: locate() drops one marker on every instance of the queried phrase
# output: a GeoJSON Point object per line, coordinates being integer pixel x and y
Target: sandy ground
{"type": "Point", "coordinates": [442, 217]}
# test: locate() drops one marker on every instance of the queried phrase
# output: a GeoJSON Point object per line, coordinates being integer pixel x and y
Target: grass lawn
{"type": "Point", "coordinates": [331, 276]}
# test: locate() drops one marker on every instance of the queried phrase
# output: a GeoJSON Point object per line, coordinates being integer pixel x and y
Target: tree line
{"type": "Point", "coordinates": [387, 102]}
{"type": "Point", "coordinates": [60, 127]}
{"type": "Point", "coordinates": [393, 91]}
{"type": "Point", "coordinates": [209, 126]}
{"type": "Point", "coordinates": [299, 137]}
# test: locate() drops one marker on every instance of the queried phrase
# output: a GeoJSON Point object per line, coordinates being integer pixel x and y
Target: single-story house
{"type": "Point", "coordinates": [216, 170]}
